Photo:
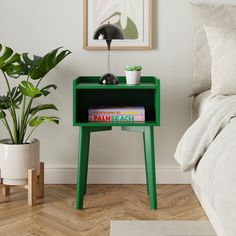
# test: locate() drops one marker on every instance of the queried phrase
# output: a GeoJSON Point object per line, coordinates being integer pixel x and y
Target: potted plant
{"type": "Point", "coordinates": [18, 114]}
{"type": "Point", "coordinates": [133, 74]}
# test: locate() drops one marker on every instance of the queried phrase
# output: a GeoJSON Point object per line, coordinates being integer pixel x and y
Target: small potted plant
{"type": "Point", "coordinates": [18, 113]}
{"type": "Point", "coordinates": [133, 74]}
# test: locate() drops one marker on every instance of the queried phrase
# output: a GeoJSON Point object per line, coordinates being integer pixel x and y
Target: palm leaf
{"type": "Point", "coordinates": [26, 64]}
{"type": "Point", "coordinates": [42, 107]}
{"type": "Point", "coordinates": [46, 90]}
{"type": "Point", "coordinates": [28, 89]}
{"type": "Point", "coordinates": [14, 71]}
{"type": "Point", "coordinates": [10, 62]}
{"type": "Point", "coordinates": [38, 120]}
{"type": "Point", "coordinates": [4, 102]}
{"type": "Point", "coordinates": [14, 101]}
{"type": "Point", "coordinates": [2, 114]}
{"type": "Point", "coordinates": [47, 63]}
{"type": "Point", "coordinates": [16, 96]}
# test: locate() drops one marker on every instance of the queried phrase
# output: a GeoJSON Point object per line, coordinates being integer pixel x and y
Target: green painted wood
{"type": "Point", "coordinates": [105, 124]}
{"type": "Point", "coordinates": [74, 102]}
{"type": "Point", "coordinates": [145, 159]}
{"type": "Point", "coordinates": [88, 92]}
{"type": "Point", "coordinates": [117, 86]}
{"type": "Point", "coordinates": [158, 106]}
{"type": "Point", "coordinates": [91, 82]}
{"type": "Point", "coordinates": [99, 129]}
{"type": "Point", "coordinates": [82, 166]}
{"type": "Point", "coordinates": [86, 156]}
{"type": "Point", "coordinates": [150, 165]}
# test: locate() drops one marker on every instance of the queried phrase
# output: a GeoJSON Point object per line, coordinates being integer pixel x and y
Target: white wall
{"type": "Point", "coordinates": [39, 26]}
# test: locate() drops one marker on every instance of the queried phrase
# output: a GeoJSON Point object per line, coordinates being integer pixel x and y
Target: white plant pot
{"type": "Point", "coordinates": [16, 159]}
{"type": "Point", "coordinates": [133, 77]}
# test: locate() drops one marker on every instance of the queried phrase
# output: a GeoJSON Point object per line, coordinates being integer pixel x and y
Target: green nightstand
{"type": "Point", "coordinates": [87, 92]}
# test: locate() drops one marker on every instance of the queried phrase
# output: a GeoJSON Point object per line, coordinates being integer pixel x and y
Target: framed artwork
{"type": "Point", "coordinates": [134, 17]}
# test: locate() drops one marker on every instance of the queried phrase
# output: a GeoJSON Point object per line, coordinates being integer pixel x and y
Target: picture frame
{"type": "Point", "coordinates": [134, 17]}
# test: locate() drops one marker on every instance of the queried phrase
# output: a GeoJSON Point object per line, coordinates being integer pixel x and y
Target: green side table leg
{"type": "Point", "coordinates": [145, 158]}
{"type": "Point", "coordinates": [150, 165]}
{"type": "Point", "coordinates": [82, 166]}
{"type": "Point", "coordinates": [86, 158]}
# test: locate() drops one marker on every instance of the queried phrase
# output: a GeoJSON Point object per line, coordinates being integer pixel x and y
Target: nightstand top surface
{"type": "Point", "coordinates": [91, 82]}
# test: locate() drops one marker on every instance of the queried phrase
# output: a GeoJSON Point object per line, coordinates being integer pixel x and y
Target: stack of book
{"type": "Point", "coordinates": [116, 114]}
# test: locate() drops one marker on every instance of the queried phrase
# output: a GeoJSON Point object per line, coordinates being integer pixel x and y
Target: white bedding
{"type": "Point", "coordinates": [210, 146]}
{"type": "Point", "coordinates": [198, 104]}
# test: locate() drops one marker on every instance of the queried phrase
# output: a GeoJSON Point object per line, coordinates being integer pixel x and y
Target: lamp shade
{"type": "Point", "coordinates": [108, 32]}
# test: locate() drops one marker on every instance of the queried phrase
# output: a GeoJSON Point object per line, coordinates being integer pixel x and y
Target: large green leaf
{"type": "Point", "coordinates": [38, 120]}
{"type": "Point", "coordinates": [46, 90]}
{"type": "Point", "coordinates": [13, 99]}
{"type": "Point", "coordinates": [42, 107]}
{"type": "Point", "coordinates": [48, 62]}
{"type": "Point", "coordinates": [14, 70]}
{"type": "Point", "coordinates": [16, 65]}
{"type": "Point", "coordinates": [8, 57]}
{"type": "Point", "coordinates": [23, 66]}
{"type": "Point", "coordinates": [16, 96]}
{"type": "Point", "coordinates": [10, 62]}
{"type": "Point", "coordinates": [27, 63]}
{"type": "Point", "coordinates": [28, 89]}
{"type": "Point", "coordinates": [2, 114]}
{"type": "Point", "coordinates": [4, 102]}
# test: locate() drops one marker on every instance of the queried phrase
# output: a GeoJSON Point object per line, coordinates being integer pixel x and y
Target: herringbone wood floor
{"type": "Point", "coordinates": [56, 213]}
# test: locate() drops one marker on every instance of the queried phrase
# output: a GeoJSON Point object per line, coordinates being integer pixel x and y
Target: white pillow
{"type": "Point", "coordinates": [212, 15]}
{"type": "Point", "coordinates": [222, 43]}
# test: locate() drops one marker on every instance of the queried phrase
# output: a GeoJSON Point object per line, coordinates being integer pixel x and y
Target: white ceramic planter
{"type": "Point", "coordinates": [15, 160]}
{"type": "Point", "coordinates": [133, 77]}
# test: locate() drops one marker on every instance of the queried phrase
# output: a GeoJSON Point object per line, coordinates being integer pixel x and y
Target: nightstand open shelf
{"type": "Point", "coordinates": [87, 92]}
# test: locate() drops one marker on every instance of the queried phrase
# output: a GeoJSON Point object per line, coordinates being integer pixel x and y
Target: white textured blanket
{"type": "Point", "coordinates": [216, 115]}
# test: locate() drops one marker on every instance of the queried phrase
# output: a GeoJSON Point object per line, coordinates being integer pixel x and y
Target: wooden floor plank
{"type": "Point", "coordinates": [56, 214]}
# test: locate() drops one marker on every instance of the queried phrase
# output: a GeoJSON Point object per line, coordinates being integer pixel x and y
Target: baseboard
{"type": "Point", "coordinates": [115, 175]}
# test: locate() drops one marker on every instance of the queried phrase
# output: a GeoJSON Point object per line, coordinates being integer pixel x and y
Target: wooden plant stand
{"type": "Point", "coordinates": [35, 185]}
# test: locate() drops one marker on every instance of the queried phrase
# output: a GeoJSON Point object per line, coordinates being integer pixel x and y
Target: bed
{"type": "Point", "coordinates": [198, 104]}
{"type": "Point", "coordinates": [214, 177]}
{"type": "Point", "coordinates": [208, 147]}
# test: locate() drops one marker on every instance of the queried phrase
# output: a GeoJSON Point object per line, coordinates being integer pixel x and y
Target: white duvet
{"type": "Point", "coordinates": [218, 113]}
{"type": "Point", "coordinates": [209, 145]}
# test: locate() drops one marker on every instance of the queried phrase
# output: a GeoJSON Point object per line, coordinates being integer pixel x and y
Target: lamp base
{"type": "Point", "coordinates": [109, 78]}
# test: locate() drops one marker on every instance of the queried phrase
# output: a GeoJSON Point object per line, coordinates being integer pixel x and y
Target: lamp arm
{"type": "Point", "coordinates": [108, 55]}
{"type": "Point", "coordinates": [109, 44]}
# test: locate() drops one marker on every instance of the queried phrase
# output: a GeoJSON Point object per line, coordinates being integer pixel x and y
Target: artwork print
{"type": "Point", "coordinates": [132, 16]}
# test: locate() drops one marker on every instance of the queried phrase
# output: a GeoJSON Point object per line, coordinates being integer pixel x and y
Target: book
{"type": "Point", "coordinates": [117, 118]}
{"type": "Point", "coordinates": [116, 114]}
{"type": "Point", "coordinates": [117, 110]}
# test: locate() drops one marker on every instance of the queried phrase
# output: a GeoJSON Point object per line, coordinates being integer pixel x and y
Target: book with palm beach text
{"type": "Point", "coordinates": [116, 114]}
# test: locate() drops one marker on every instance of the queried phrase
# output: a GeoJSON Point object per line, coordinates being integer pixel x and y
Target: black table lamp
{"type": "Point", "coordinates": [108, 32]}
